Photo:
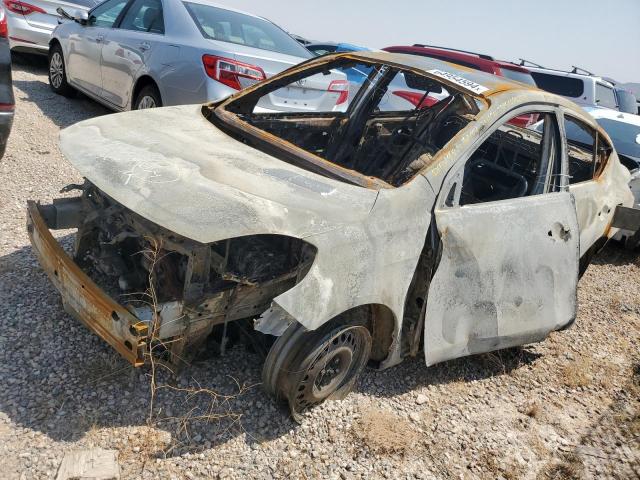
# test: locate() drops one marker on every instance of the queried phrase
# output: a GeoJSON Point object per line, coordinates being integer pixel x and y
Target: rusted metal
{"type": "Point", "coordinates": [84, 299]}
{"type": "Point", "coordinates": [231, 120]}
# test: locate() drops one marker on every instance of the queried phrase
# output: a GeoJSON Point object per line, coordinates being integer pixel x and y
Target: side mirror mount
{"type": "Point", "coordinates": [81, 16]}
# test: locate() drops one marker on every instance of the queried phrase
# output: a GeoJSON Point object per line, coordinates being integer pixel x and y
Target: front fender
{"type": "Point", "coordinates": [371, 262]}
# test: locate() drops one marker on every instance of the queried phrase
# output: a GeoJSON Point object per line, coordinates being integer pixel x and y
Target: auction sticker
{"type": "Point", "coordinates": [460, 81]}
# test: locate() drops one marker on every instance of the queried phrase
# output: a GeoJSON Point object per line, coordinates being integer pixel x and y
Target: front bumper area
{"type": "Point", "coordinates": [83, 298]}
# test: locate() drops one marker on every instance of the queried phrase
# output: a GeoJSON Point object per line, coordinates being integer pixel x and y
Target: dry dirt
{"type": "Point", "coordinates": [564, 408]}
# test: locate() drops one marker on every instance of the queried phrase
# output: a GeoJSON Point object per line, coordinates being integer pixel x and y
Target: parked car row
{"type": "Point", "coordinates": [7, 103]}
{"type": "Point", "coordinates": [130, 54]}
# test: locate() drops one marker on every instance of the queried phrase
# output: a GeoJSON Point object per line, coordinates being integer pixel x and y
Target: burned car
{"type": "Point", "coordinates": [338, 235]}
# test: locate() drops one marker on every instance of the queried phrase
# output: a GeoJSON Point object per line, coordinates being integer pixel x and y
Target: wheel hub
{"type": "Point", "coordinates": [332, 365]}
{"type": "Point", "coordinates": [146, 102]}
{"type": "Point", "coordinates": [56, 70]}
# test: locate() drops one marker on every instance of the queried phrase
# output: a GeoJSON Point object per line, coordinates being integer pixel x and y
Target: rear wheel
{"type": "Point", "coordinates": [149, 97]}
{"type": "Point", "coordinates": [58, 73]}
{"type": "Point", "coordinates": [309, 367]}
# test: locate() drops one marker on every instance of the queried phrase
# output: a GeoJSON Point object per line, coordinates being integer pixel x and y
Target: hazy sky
{"type": "Point", "coordinates": [601, 36]}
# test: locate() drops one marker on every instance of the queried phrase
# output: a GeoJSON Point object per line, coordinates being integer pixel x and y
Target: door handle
{"type": "Point", "coordinates": [144, 46]}
{"type": "Point", "coordinates": [99, 38]}
{"type": "Point", "coordinates": [559, 232]}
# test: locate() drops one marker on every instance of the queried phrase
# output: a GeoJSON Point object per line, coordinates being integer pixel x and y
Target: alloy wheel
{"type": "Point", "coordinates": [146, 102]}
{"type": "Point", "coordinates": [56, 70]}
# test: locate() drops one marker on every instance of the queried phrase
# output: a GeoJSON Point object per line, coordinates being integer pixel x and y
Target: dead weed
{"type": "Point", "coordinates": [568, 467]}
{"type": "Point", "coordinates": [578, 373]}
{"type": "Point", "coordinates": [384, 432]}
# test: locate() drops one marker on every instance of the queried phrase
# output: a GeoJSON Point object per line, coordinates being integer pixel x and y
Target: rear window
{"type": "Point", "coordinates": [522, 77]}
{"type": "Point", "coordinates": [233, 27]}
{"type": "Point", "coordinates": [565, 86]}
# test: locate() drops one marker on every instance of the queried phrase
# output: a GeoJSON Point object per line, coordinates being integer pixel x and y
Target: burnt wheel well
{"type": "Point", "coordinates": [380, 321]}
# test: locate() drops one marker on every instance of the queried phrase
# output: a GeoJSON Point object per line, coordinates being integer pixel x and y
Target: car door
{"type": "Point", "coordinates": [85, 47]}
{"type": "Point", "coordinates": [508, 235]}
{"type": "Point", "coordinates": [130, 47]}
{"type": "Point", "coordinates": [596, 201]}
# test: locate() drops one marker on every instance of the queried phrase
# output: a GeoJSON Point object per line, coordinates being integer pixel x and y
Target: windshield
{"type": "Point", "coordinates": [377, 129]}
{"type": "Point", "coordinates": [626, 137]}
{"type": "Point", "coordinates": [226, 26]}
{"type": "Point", "coordinates": [522, 77]}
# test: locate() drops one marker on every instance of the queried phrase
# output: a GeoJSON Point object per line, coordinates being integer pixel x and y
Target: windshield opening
{"type": "Point", "coordinates": [374, 119]}
{"type": "Point", "coordinates": [233, 27]}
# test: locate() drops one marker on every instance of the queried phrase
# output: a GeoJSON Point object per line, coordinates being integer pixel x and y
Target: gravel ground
{"type": "Point", "coordinates": [565, 408]}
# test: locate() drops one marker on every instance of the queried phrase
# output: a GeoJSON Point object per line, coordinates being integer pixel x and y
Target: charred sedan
{"type": "Point", "coordinates": [334, 238]}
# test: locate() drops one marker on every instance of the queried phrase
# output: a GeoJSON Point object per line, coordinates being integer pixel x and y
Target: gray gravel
{"type": "Point", "coordinates": [564, 408]}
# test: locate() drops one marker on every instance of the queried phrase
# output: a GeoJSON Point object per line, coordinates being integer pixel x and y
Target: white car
{"type": "Point", "coordinates": [334, 238]}
{"type": "Point", "coordinates": [31, 23]}
{"type": "Point", "coordinates": [585, 90]}
{"type": "Point", "coordinates": [624, 130]}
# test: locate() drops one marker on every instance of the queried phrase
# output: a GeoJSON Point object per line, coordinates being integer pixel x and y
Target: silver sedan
{"type": "Point", "coordinates": [30, 23]}
{"type": "Point", "coordinates": [131, 54]}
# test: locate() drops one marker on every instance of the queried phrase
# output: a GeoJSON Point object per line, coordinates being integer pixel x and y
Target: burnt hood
{"type": "Point", "coordinates": [173, 167]}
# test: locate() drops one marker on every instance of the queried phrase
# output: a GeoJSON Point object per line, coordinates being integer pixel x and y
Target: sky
{"type": "Point", "coordinates": [600, 36]}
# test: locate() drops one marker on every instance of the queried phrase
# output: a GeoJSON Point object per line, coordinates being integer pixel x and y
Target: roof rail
{"type": "Point", "coordinates": [524, 61]}
{"type": "Point", "coordinates": [578, 70]}
{"type": "Point", "coordinates": [481, 55]}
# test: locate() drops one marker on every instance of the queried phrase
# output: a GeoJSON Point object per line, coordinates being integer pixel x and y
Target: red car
{"type": "Point", "coordinates": [477, 61]}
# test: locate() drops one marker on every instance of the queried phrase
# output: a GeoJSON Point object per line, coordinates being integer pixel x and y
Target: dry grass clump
{"type": "Point", "coordinates": [578, 373]}
{"type": "Point", "coordinates": [568, 467]}
{"type": "Point", "coordinates": [384, 432]}
{"type": "Point", "coordinates": [532, 410]}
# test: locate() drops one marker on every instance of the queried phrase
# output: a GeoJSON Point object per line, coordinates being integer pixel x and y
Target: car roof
{"type": "Point", "coordinates": [477, 59]}
{"type": "Point", "coordinates": [608, 113]}
{"type": "Point", "coordinates": [491, 83]}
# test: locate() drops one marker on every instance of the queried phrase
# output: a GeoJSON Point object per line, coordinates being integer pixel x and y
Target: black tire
{"type": "Point", "coordinates": [148, 97]}
{"type": "Point", "coordinates": [305, 368]}
{"type": "Point", "coordinates": [58, 72]}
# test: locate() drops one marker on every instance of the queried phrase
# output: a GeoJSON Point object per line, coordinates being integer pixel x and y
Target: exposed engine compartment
{"type": "Point", "coordinates": [181, 287]}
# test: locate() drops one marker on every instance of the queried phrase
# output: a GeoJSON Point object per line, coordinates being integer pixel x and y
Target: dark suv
{"type": "Point", "coordinates": [6, 90]}
{"type": "Point", "coordinates": [477, 61]}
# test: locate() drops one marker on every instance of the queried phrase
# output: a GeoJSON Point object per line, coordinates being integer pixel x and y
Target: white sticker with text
{"type": "Point", "coordinates": [460, 81]}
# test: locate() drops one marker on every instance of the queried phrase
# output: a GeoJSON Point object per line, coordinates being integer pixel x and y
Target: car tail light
{"type": "Point", "coordinates": [416, 98]}
{"type": "Point", "coordinates": [229, 72]}
{"type": "Point", "coordinates": [3, 24]}
{"type": "Point", "coordinates": [342, 88]}
{"type": "Point", "coordinates": [16, 6]}
{"type": "Point", "coordinates": [7, 107]}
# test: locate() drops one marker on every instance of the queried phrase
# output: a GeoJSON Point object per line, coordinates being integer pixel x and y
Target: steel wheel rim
{"type": "Point", "coordinates": [332, 362]}
{"type": "Point", "coordinates": [146, 102]}
{"type": "Point", "coordinates": [56, 70]}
